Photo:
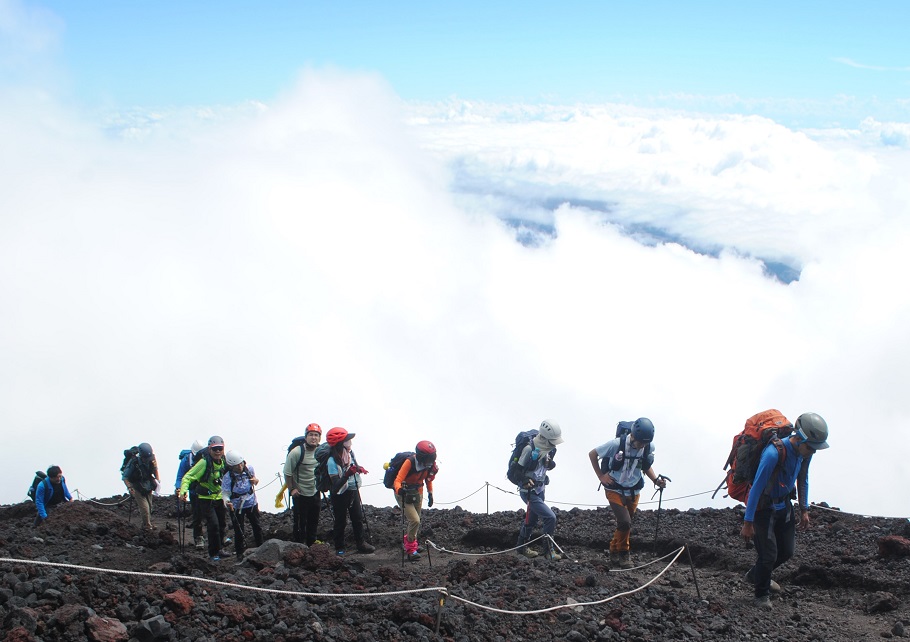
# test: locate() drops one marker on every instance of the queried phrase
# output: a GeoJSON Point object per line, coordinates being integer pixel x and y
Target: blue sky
{"type": "Point", "coordinates": [810, 63]}
{"type": "Point", "coordinates": [418, 222]}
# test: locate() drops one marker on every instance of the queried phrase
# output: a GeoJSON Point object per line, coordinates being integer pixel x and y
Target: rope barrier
{"type": "Point", "coordinates": [574, 605]}
{"type": "Point", "coordinates": [460, 500]}
{"type": "Point", "coordinates": [844, 512]}
{"type": "Point", "coordinates": [232, 585]}
{"type": "Point", "coordinates": [94, 501]}
{"type": "Point", "coordinates": [607, 505]}
{"type": "Point", "coordinates": [443, 549]}
{"type": "Point", "coordinates": [438, 589]}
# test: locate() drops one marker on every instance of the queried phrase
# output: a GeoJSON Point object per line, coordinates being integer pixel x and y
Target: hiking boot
{"type": "Point", "coordinates": [364, 547]}
{"type": "Point", "coordinates": [528, 552]}
{"type": "Point", "coordinates": [339, 553]}
{"type": "Point", "coordinates": [200, 542]}
{"type": "Point", "coordinates": [624, 560]}
{"type": "Point", "coordinates": [749, 578]}
{"type": "Point", "coordinates": [763, 602]}
{"type": "Point", "coordinates": [413, 556]}
{"type": "Point", "coordinates": [553, 555]}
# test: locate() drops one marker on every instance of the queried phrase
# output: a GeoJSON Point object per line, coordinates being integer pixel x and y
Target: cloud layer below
{"type": "Point", "coordinates": [456, 272]}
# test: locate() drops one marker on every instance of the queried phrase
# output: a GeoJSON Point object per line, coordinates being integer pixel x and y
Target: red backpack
{"type": "Point", "coordinates": [766, 427]}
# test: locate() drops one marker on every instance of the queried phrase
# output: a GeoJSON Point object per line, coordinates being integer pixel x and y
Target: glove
{"type": "Point", "coordinates": [550, 464]}
{"type": "Point", "coordinates": [401, 492]}
{"type": "Point", "coordinates": [362, 470]}
{"type": "Point", "coordinates": [350, 471]}
{"type": "Point", "coordinates": [429, 500]}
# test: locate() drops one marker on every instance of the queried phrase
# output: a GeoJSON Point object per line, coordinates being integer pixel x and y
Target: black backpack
{"type": "Point", "coordinates": [128, 455]}
{"type": "Point", "coordinates": [392, 468]}
{"type": "Point", "coordinates": [40, 476]}
{"type": "Point", "coordinates": [623, 430]}
{"type": "Point", "coordinates": [515, 472]}
{"type": "Point", "coordinates": [323, 481]}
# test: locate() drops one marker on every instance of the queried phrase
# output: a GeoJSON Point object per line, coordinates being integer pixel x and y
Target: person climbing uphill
{"type": "Point", "coordinates": [415, 472]}
{"type": "Point", "coordinates": [534, 462]}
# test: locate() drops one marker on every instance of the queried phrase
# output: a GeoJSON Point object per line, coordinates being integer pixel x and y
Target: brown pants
{"type": "Point", "coordinates": [624, 507]}
{"type": "Point", "coordinates": [411, 514]}
{"type": "Point", "coordinates": [144, 506]}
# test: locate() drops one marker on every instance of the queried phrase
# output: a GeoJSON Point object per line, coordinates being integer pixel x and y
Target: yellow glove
{"type": "Point", "coordinates": [279, 498]}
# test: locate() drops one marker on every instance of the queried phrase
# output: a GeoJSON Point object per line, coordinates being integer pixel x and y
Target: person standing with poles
{"type": "Point", "coordinates": [344, 474]}
{"type": "Point", "coordinates": [624, 462]}
{"type": "Point", "coordinates": [532, 466]}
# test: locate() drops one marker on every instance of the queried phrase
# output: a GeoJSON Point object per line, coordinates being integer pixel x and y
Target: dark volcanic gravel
{"type": "Point", "coordinates": [850, 580]}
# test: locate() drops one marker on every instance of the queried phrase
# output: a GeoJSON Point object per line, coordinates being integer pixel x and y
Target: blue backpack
{"type": "Point", "coordinates": [323, 481]}
{"type": "Point", "coordinates": [515, 472]}
{"type": "Point", "coordinates": [392, 468]}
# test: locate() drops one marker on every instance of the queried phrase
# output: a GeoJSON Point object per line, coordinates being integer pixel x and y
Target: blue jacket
{"type": "Point", "coordinates": [185, 464]}
{"type": "Point", "coordinates": [44, 493]}
{"type": "Point", "coordinates": [794, 470]}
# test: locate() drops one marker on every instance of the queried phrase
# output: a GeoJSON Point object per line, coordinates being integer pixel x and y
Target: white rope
{"type": "Point", "coordinates": [843, 512]}
{"type": "Point", "coordinates": [574, 605]}
{"type": "Point", "coordinates": [215, 582]}
{"type": "Point", "coordinates": [443, 549]}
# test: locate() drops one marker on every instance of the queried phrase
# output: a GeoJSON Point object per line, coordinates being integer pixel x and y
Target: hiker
{"type": "Point", "coordinates": [344, 474]}
{"type": "Point", "coordinates": [205, 476]}
{"type": "Point", "coordinates": [49, 492]}
{"type": "Point", "coordinates": [238, 487]}
{"type": "Point", "coordinates": [625, 461]}
{"type": "Point", "coordinates": [535, 460]}
{"type": "Point", "coordinates": [186, 462]}
{"type": "Point", "coordinates": [415, 471]}
{"type": "Point", "coordinates": [770, 520]}
{"type": "Point", "coordinates": [300, 479]}
{"type": "Point", "coordinates": [140, 476]}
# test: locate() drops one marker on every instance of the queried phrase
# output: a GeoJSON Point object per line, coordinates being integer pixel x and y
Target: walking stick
{"type": "Point", "coordinates": [181, 525]}
{"type": "Point", "coordinates": [660, 489]}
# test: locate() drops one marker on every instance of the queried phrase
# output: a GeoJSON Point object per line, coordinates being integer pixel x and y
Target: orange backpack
{"type": "Point", "coordinates": [766, 427]}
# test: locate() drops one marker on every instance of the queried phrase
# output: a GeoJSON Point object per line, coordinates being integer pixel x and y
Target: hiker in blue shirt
{"type": "Point", "coordinates": [50, 491]}
{"type": "Point", "coordinates": [186, 463]}
{"type": "Point", "coordinates": [535, 460]}
{"type": "Point", "coordinates": [770, 520]}
{"type": "Point", "coordinates": [345, 475]}
{"type": "Point", "coordinates": [624, 463]}
{"type": "Point", "coordinates": [238, 487]}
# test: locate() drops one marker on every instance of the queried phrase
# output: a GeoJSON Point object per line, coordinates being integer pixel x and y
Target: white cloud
{"type": "Point", "coordinates": [247, 271]}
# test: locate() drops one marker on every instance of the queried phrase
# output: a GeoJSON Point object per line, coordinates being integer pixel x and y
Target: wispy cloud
{"type": "Point", "coordinates": [859, 65]}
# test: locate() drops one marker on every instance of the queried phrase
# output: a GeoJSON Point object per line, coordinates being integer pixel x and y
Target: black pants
{"type": "Point", "coordinates": [344, 504]}
{"type": "Point", "coordinates": [305, 513]}
{"type": "Point", "coordinates": [211, 511]}
{"type": "Point", "coordinates": [238, 517]}
{"type": "Point", "coordinates": [775, 543]}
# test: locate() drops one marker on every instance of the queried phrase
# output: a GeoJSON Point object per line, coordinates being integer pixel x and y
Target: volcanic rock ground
{"type": "Point", "coordinates": [850, 580]}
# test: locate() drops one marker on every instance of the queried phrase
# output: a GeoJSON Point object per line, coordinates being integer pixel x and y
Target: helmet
{"type": "Point", "coordinates": [145, 451]}
{"type": "Point", "coordinates": [196, 447]}
{"type": "Point", "coordinates": [813, 430]}
{"type": "Point", "coordinates": [336, 436]}
{"type": "Point", "coordinates": [232, 458]}
{"type": "Point", "coordinates": [313, 428]}
{"type": "Point", "coordinates": [643, 429]}
{"type": "Point", "coordinates": [426, 451]}
{"type": "Point", "coordinates": [215, 440]}
{"type": "Point", "coordinates": [551, 432]}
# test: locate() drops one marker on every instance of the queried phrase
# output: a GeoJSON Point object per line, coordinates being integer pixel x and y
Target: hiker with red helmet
{"type": "Point", "coordinates": [344, 474]}
{"type": "Point", "coordinates": [300, 479]}
{"type": "Point", "coordinates": [415, 471]}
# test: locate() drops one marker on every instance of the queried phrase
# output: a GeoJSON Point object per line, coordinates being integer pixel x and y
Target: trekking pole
{"type": "Point", "coordinates": [363, 517]}
{"type": "Point", "coordinates": [181, 525]}
{"type": "Point", "coordinates": [403, 533]}
{"type": "Point", "coordinates": [660, 489]}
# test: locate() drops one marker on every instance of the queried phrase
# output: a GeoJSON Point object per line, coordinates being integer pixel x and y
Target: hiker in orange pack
{"type": "Point", "coordinates": [770, 520]}
{"type": "Point", "coordinates": [413, 471]}
{"type": "Point", "coordinates": [624, 463]}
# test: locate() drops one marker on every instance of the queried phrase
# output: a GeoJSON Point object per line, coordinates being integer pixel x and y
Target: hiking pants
{"type": "Point", "coordinates": [143, 505]}
{"type": "Point", "coordinates": [211, 511]}
{"type": "Point", "coordinates": [775, 543]}
{"type": "Point", "coordinates": [344, 504]}
{"type": "Point", "coordinates": [411, 513]}
{"type": "Point", "coordinates": [197, 520]}
{"type": "Point", "coordinates": [624, 507]}
{"type": "Point", "coordinates": [536, 511]}
{"type": "Point", "coordinates": [238, 518]}
{"type": "Point", "coordinates": [305, 515]}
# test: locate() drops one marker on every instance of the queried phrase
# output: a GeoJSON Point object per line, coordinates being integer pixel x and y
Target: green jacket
{"type": "Point", "coordinates": [206, 474]}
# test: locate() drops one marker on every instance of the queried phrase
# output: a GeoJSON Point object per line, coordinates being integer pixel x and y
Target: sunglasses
{"type": "Point", "coordinates": [216, 448]}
